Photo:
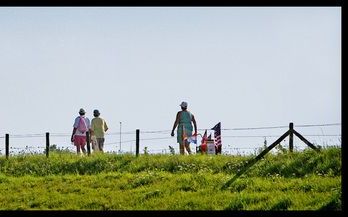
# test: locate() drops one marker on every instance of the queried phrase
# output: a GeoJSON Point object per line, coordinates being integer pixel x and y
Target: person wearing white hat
{"type": "Point", "coordinates": [183, 121]}
{"type": "Point", "coordinates": [80, 127]}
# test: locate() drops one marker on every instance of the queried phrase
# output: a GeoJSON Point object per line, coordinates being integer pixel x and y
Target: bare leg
{"type": "Point", "coordinates": [100, 142]}
{"type": "Point", "coordinates": [95, 145]}
{"type": "Point", "coordinates": [187, 146]}
{"type": "Point", "coordinates": [182, 150]}
{"type": "Point", "coordinates": [83, 149]}
{"type": "Point", "coordinates": [78, 150]}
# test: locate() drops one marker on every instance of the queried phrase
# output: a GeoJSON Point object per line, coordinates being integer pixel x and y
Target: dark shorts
{"type": "Point", "coordinates": [100, 142]}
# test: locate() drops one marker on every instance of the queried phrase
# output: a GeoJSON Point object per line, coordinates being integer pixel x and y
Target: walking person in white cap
{"type": "Point", "coordinates": [183, 121]}
{"type": "Point", "coordinates": [80, 127]}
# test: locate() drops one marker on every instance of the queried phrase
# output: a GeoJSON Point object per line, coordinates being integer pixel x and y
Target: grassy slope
{"type": "Point", "coordinates": [298, 181]}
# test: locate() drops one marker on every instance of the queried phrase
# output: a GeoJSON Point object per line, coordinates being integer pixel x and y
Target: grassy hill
{"type": "Point", "coordinates": [285, 181]}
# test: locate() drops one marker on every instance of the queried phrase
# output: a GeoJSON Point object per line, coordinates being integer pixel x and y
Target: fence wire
{"type": "Point", "coordinates": [143, 139]}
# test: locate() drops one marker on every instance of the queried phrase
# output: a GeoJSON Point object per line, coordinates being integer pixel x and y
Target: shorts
{"type": "Point", "coordinates": [100, 142]}
{"type": "Point", "coordinates": [80, 141]}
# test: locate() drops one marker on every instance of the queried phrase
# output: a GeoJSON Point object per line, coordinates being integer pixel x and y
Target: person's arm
{"type": "Point", "coordinates": [194, 123]}
{"type": "Point", "coordinates": [176, 122]}
{"type": "Point", "coordinates": [105, 126]}
{"type": "Point", "coordinates": [72, 135]}
{"type": "Point", "coordinates": [90, 129]}
{"type": "Point", "coordinates": [74, 130]}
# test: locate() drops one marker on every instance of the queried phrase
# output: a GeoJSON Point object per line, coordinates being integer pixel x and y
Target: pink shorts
{"type": "Point", "coordinates": [79, 141]}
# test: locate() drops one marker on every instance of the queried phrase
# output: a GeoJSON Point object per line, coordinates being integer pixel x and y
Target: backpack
{"type": "Point", "coordinates": [82, 127]}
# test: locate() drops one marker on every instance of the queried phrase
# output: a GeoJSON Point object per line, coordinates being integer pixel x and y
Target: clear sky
{"type": "Point", "coordinates": [241, 66]}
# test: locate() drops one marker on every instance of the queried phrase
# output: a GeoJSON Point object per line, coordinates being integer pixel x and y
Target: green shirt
{"type": "Point", "coordinates": [185, 119]}
{"type": "Point", "coordinates": [99, 127]}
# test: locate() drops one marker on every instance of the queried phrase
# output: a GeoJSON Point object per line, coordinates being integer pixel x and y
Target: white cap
{"type": "Point", "coordinates": [183, 104]}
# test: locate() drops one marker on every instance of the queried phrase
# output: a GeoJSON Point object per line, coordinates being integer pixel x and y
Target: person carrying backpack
{"type": "Point", "coordinates": [80, 127]}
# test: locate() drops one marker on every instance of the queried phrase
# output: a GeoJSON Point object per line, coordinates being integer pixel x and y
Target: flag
{"type": "Point", "coordinates": [217, 135]}
{"type": "Point", "coordinates": [204, 138]}
{"type": "Point", "coordinates": [192, 139]}
{"type": "Point", "coordinates": [209, 137]}
{"type": "Point", "coordinates": [204, 142]}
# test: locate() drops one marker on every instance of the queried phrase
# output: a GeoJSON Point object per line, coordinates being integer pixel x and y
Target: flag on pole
{"type": "Point", "coordinates": [192, 139]}
{"type": "Point", "coordinates": [204, 137]}
{"type": "Point", "coordinates": [189, 139]}
{"type": "Point", "coordinates": [217, 135]}
{"type": "Point", "coordinates": [204, 142]}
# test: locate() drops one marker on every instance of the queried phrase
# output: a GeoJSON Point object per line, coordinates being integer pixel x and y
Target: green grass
{"type": "Point", "coordinates": [291, 181]}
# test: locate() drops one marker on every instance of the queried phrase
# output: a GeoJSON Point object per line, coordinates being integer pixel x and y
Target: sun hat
{"type": "Point", "coordinates": [82, 111]}
{"type": "Point", "coordinates": [183, 104]}
{"type": "Point", "coordinates": [96, 112]}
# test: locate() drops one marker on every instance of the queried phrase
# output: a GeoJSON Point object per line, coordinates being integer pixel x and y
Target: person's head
{"type": "Point", "coordinates": [183, 105]}
{"type": "Point", "coordinates": [82, 111]}
{"type": "Point", "coordinates": [96, 113]}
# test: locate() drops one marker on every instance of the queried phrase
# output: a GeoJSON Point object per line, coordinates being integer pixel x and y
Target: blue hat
{"type": "Point", "coordinates": [183, 104]}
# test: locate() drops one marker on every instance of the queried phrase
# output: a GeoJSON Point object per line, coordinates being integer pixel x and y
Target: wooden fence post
{"type": "Point", "coordinates": [137, 142]}
{"type": "Point", "coordinates": [7, 145]}
{"type": "Point", "coordinates": [306, 141]}
{"type": "Point", "coordinates": [291, 137]}
{"type": "Point", "coordinates": [253, 161]}
{"type": "Point", "coordinates": [47, 143]}
{"type": "Point", "coordinates": [88, 145]}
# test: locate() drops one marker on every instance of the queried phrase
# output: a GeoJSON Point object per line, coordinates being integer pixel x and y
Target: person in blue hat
{"type": "Point", "coordinates": [183, 121]}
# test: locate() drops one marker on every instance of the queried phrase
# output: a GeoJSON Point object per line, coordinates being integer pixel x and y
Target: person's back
{"type": "Point", "coordinates": [99, 127]}
{"type": "Point", "coordinates": [80, 127]}
{"type": "Point", "coordinates": [183, 121]}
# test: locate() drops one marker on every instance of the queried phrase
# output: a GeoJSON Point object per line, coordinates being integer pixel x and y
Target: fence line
{"type": "Point", "coordinates": [169, 137]}
{"type": "Point", "coordinates": [227, 136]}
{"type": "Point", "coordinates": [53, 135]}
{"type": "Point", "coordinates": [263, 136]}
{"type": "Point", "coordinates": [319, 125]}
{"type": "Point", "coordinates": [168, 131]}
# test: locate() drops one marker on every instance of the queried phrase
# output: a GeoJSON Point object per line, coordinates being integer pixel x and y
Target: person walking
{"type": "Point", "coordinates": [80, 127]}
{"type": "Point", "coordinates": [99, 127]}
{"type": "Point", "coordinates": [183, 121]}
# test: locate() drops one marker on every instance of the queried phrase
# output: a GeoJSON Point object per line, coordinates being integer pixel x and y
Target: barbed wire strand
{"type": "Point", "coordinates": [167, 131]}
{"type": "Point", "coordinates": [227, 136]}
{"type": "Point", "coordinates": [40, 135]}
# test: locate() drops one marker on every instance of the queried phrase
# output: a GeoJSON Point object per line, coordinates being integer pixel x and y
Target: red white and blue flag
{"type": "Point", "coordinates": [204, 137]}
{"type": "Point", "coordinates": [189, 139]}
{"type": "Point", "coordinates": [217, 135]}
{"type": "Point", "coordinates": [192, 139]}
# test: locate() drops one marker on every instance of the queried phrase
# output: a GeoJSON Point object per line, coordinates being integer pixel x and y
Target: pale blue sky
{"type": "Point", "coordinates": [245, 67]}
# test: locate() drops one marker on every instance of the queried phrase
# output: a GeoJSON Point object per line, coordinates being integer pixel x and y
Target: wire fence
{"type": "Point", "coordinates": [155, 142]}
